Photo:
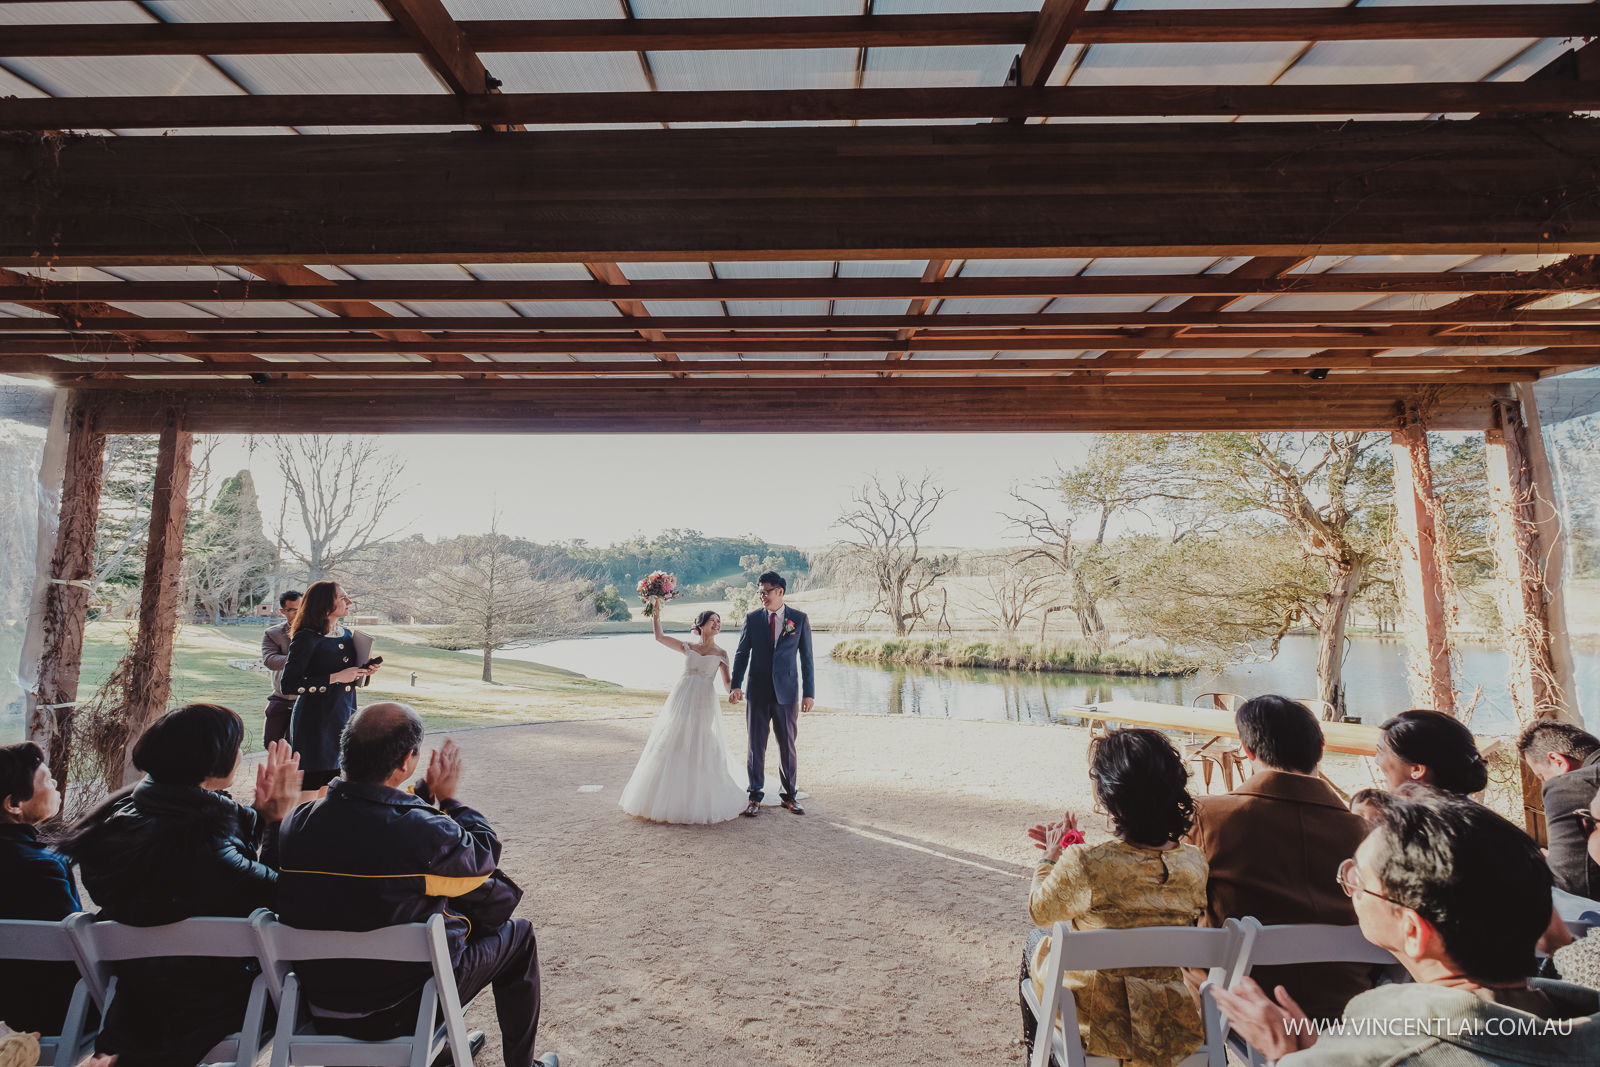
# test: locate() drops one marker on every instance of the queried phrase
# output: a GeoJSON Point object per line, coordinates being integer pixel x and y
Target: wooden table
{"type": "Point", "coordinates": [1350, 738]}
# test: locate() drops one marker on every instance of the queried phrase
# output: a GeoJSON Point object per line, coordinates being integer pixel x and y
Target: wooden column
{"type": "Point", "coordinates": [1520, 563]}
{"type": "Point", "coordinates": [150, 658]}
{"type": "Point", "coordinates": [66, 597]}
{"type": "Point", "coordinates": [1422, 567]}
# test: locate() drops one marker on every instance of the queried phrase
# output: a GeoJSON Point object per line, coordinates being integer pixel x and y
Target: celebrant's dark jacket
{"type": "Point", "coordinates": [773, 675]}
{"type": "Point", "coordinates": [367, 856]}
{"type": "Point", "coordinates": [1569, 858]}
{"type": "Point", "coordinates": [158, 854]}
{"type": "Point", "coordinates": [35, 883]}
{"type": "Point", "coordinates": [321, 707]}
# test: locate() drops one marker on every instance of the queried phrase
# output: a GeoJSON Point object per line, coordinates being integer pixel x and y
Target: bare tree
{"type": "Point", "coordinates": [881, 550]}
{"type": "Point", "coordinates": [494, 599]}
{"type": "Point", "coordinates": [1051, 535]}
{"type": "Point", "coordinates": [1013, 585]}
{"type": "Point", "coordinates": [341, 489]}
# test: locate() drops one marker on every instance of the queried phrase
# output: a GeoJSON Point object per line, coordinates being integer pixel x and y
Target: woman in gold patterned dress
{"type": "Point", "coordinates": [1146, 876]}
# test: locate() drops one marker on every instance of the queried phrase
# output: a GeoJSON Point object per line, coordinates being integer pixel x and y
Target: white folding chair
{"type": "Point", "coordinates": [1275, 946]}
{"type": "Point", "coordinates": [49, 942]}
{"type": "Point", "coordinates": [100, 945]}
{"type": "Point", "coordinates": [297, 1043]}
{"type": "Point", "coordinates": [1217, 951]}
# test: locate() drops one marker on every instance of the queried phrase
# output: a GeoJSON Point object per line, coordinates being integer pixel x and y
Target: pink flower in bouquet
{"type": "Point", "coordinates": [656, 585]}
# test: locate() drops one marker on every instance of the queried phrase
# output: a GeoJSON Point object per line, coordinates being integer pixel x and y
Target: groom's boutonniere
{"type": "Point", "coordinates": [788, 627]}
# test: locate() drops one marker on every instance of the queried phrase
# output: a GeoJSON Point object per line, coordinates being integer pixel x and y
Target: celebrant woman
{"type": "Point", "coordinates": [322, 674]}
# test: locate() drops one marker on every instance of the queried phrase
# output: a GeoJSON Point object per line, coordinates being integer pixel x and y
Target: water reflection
{"type": "Point", "coordinates": [1374, 672]}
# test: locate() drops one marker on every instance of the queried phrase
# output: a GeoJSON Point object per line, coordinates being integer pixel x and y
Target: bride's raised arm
{"type": "Point", "coordinates": [671, 642]}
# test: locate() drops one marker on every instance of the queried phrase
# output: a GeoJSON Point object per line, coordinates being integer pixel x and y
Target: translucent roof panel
{"type": "Point", "coordinates": [103, 12]}
{"type": "Point", "coordinates": [542, 272]}
{"type": "Point", "coordinates": [871, 307]}
{"type": "Point", "coordinates": [567, 72]}
{"type": "Point", "coordinates": [748, 69]}
{"type": "Point", "coordinates": [708, 9]}
{"type": "Point", "coordinates": [542, 9]}
{"type": "Point", "coordinates": [332, 75]}
{"type": "Point", "coordinates": [177, 274]}
{"type": "Point", "coordinates": [444, 272]}
{"type": "Point", "coordinates": [683, 307]}
{"type": "Point", "coordinates": [461, 308]}
{"type": "Point", "coordinates": [268, 10]}
{"type": "Point", "coordinates": [539, 309]}
{"type": "Point", "coordinates": [640, 272]}
{"type": "Point", "coordinates": [125, 76]}
{"type": "Point", "coordinates": [264, 309]}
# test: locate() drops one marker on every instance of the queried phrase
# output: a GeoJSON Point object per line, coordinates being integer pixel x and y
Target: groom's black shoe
{"type": "Point", "coordinates": [794, 806]}
{"type": "Point", "coordinates": [753, 809]}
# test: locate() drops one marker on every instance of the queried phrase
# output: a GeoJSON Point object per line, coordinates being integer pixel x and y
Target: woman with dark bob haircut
{"type": "Point", "coordinates": [1144, 876]}
{"type": "Point", "coordinates": [172, 847]}
{"type": "Point", "coordinates": [1431, 748]}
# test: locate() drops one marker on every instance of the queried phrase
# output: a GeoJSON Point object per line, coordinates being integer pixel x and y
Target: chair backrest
{"type": "Point", "coordinates": [35, 939]}
{"type": "Point", "coordinates": [1220, 701]}
{"type": "Point", "coordinates": [101, 944]}
{"type": "Point", "coordinates": [1149, 946]}
{"type": "Point", "coordinates": [1305, 943]}
{"type": "Point", "coordinates": [1215, 950]}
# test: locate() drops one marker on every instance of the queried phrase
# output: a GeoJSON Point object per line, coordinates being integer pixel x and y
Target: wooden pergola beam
{"type": "Point", "coordinates": [296, 274]}
{"type": "Point", "coordinates": [502, 326]}
{"type": "Point", "coordinates": [865, 405]}
{"type": "Point", "coordinates": [1411, 22]}
{"type": "Point", "coordinates": [611, 274]}
{"type": "Point", "coordinates": [410, 291]}
{"type": "Point", "coordinates": [1520, 366]}
{"type": "Point", "coordinates": [1057, 22]}
{"type": "Point", "coordinates": [973, 191]}
{"type": "Point", "coordinates": [733, 342]}
{"type": "Point", "coordinates": [799, 105]}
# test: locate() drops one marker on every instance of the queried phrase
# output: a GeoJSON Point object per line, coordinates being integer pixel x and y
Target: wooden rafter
{"type": "Point", "coordinates": [1058, 21]}
{"type": "Point", "coordinates": [1373, 284]}
{"type": "Point", "coordinates": [798, 105]}
{"type": "Point", "coordinates": [611, 274]}
{"type": "Point", "coordinates": [441, 42]}
{"type": "Point", "coordinates": [1462, 312]}
{"type": "Point", "coordinates": [1410, 22]}
{"type": "Point", "coordinates": [294, 274]}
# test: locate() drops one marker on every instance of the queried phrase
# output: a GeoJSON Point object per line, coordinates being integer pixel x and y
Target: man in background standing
{"type": "Point", "coordinates": [274, 654]}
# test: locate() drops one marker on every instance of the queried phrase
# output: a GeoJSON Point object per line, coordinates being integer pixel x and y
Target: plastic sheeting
{"type": "Point", "coordinates": [1569, 411]}
{"type": "Point", "coordinates": [25, 412]}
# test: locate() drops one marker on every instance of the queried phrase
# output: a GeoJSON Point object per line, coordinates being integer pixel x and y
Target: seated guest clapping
{"type": "Point", "coordinates": [1567, 760]}
{"type": "Point", "coordinates": [1274, 845]}
{"type": "Point", "coordinates": [1460, 896]}
{"type": "Point", "coordinates": [370, 854]}
{"type": "Point", "coordinates": [173, 847]}
{"type": "Point", "coordinates": [35, 883]}
{"type": "Point", "coordinates": [1433, 749]}
{"type": "Point", "coordinates": [1145, 877]}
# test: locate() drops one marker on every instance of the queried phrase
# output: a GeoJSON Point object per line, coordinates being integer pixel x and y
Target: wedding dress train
{"type": "Point", "coordinates": [683, 774]}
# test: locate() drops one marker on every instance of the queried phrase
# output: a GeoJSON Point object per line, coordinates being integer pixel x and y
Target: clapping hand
{"type": "Point", "coordinates": [278, 780]}
{"type": "Point", "coordinates": [1276, 1027]}
{"type": "Point", "coordinates": [444, 771]}
{"type": "Point", "coordinates": [1048, 835]}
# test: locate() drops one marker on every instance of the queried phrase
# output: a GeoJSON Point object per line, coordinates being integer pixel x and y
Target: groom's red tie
{"type": "Point", "coordinates": [774, 616]}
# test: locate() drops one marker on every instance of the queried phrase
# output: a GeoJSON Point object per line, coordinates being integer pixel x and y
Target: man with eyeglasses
{"type": "Point", "coordinates": [1460, 896]}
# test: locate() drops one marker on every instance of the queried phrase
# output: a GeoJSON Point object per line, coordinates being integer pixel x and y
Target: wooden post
{"type": "Point", "coordinates": [1523, 551]}
{"type": "Point", "coordinates": [66, 597]}
{"type": "Point", "coordinates": [150, 658]}
{"type": "Point", "coordinates": [1423, 563]}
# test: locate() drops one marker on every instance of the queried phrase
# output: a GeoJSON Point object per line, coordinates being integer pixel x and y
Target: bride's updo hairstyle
{"type": "Point", "coordinates": [703, 618]}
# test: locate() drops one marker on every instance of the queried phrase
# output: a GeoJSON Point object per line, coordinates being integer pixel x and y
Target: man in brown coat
{"type": "Point", "coordinates": [1275, 844]}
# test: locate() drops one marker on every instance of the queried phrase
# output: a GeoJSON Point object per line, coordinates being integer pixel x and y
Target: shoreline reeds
{"type": "Point", "coordinates": [1060, 657]}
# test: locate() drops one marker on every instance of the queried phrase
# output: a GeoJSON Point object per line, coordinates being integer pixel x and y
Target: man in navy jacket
{"type": "Point", "coordinates": [35, 883]}
{"type": "Point", "coordinates": [369, 855]}
{"type": "Point", "coordinates": [774, 638]}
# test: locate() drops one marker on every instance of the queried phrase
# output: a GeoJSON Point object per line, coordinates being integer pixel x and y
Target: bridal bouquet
{"type": "Point", "coordinates": [656, 584]}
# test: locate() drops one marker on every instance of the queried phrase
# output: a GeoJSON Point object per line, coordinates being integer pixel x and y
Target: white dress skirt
{"type": "Point", "coordinates": [683, 775]}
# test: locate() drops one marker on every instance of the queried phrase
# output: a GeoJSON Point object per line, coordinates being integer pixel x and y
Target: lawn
{"type": "Point", "coordinates": [448, 690]}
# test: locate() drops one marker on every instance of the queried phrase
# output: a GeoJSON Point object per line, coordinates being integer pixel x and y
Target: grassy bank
{"type": "Point", "coordinates": [448, 693]}
{"type": "Point", "coordinates": [1057, 657]}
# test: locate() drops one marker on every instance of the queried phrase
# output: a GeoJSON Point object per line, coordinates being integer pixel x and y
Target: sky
{"type": "Point", "coordinates": [604, 488]}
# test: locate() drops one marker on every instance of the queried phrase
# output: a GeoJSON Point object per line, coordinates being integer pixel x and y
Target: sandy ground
{"type": "Point", "coordinates": [883, 926]}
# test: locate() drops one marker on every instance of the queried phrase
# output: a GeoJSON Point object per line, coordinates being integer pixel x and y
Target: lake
{"type": "Point", "coordinates": [1374, 674]}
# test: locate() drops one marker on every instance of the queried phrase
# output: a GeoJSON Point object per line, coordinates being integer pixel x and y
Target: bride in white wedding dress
{"type": "Point", "coordinates": [683, 774]}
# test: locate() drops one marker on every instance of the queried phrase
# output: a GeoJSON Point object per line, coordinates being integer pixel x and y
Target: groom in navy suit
{"type": "Point", "coordinates": [774, 637]}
